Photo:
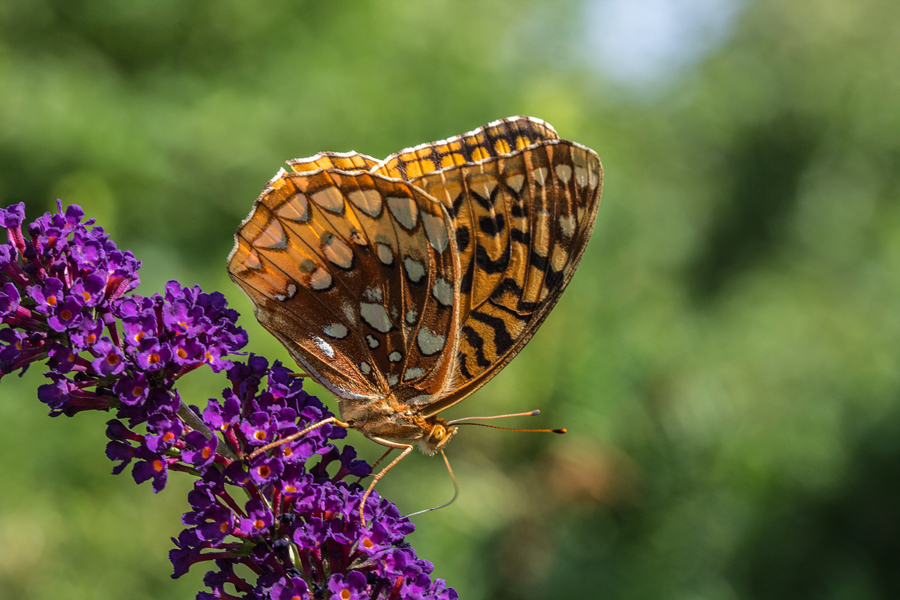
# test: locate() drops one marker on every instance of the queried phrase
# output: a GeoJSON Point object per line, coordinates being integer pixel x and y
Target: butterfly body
{"type": "Point", "coordinates": [404, 285]}
{"type": "Point", "coordinates": [396, 423]}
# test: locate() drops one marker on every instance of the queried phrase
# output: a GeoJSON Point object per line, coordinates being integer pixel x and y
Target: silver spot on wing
{"type": "Point", "coordinates": [375, 316]}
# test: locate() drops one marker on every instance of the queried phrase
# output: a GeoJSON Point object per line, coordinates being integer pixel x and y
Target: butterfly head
{"type": "Point", "coordinates": [437, 433]}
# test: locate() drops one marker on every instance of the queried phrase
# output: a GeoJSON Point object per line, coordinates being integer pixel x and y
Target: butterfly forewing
{"type": "Point", "coordinates": [357, 275]}
{"type": "Point", "coordinates": [494, 139]}
{"type": "Point", "coordinates": [345, 161]}
{"type": "Point", "coordinates": [522, 222]}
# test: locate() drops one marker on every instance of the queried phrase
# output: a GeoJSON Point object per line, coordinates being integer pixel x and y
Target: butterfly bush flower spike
{"type": "Point", "coordinates": [290, 516]}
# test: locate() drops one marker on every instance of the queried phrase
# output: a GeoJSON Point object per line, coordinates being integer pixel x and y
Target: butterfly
{"type": "Point", "coordinates": [404, 285]}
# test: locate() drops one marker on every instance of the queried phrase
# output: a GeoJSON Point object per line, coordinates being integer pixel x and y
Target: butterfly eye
{"type": "Point", "coordinates": [438, 433]}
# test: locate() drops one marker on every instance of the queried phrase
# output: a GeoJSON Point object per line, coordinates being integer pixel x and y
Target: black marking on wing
{"type": "Point", "coordinates": [476, 342]}
{"type": "Point", "coordinates": [522, 237]}
{"type": "Point", "coordinates": [468, 278]}
{"type": "Point", "coordinates": [462, 238]}
{"type": "Point", "coordinates": [485, 203]}
{"type": "Point", "coordinates": [502, 339]}
{"type": "Point", "coordinates": [541, 263]}
{"type": "Point", "coordinates": [457, 204]}
{"type": "Point", "coordinates": [507, 285]}
{"type": "Point", "coordinates": [554, 279]}
{"type": "Point", "coordinates": [518, 316]}
{"type": "Point", "coordinates": [491, 266]}
{"type": "Point", "coordinates": [492, 226]}
{"type": "Point", "coordinates": [461, 363]}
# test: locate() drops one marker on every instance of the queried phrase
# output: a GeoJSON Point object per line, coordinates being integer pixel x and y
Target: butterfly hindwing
{"type": "Point", "coordinates": [356, 274]}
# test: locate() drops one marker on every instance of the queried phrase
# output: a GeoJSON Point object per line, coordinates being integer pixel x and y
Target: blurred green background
{"type": "Point", "coordinates": [726, 357]}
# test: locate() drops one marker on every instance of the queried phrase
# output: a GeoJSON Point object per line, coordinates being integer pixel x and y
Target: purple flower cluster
{"type": "Point", "coordinates": [66, 298]}
{"type": "Point", "coordinates": [64, 294]}
{"type": "Point", "coordinates": [299, 529]}
{"type": "Point", "coordinates": [58, 287]}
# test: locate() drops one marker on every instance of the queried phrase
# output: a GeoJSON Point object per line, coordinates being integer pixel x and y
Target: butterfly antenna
{"type": "Point", "coordinates": [532, 413]}
{"type": "Point", "coordinates": [524, 430]}
{"type": "Point", "coordinates": [455, 491]}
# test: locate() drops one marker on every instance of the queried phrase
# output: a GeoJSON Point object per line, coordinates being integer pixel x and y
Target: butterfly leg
{"type": "Point", "coordinates": [294, 436]}
{"type": "Point", "coordinates": [407, 448]}
{"type": "Point", "coordinates": [378, 462]}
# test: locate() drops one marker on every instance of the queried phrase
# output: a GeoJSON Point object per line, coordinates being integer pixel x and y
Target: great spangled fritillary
{"type": "Point", "coordinates": [406, 284]}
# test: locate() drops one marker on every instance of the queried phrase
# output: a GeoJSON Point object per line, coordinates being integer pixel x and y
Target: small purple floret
{"type": "Point", "coordinates": [110, 360]}
{"type": "Point", "coordinates": [347, 587]}
{"type": "Point", "coordinates": [152, 467]}
{"type": "Point", "coordinates": [9, 299]}
{"type": "Point", "coordinates": [290, 590]}
{"type": "Point", "coordinates": [12, 217]}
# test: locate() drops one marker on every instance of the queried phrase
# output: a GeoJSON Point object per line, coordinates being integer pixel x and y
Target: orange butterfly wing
{"type": "Point", "coordinates": [357, 275]}
{"type": "Point", "coordinates": [523, 215]}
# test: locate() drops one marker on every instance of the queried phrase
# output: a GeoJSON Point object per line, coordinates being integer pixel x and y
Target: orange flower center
{"type": "Point", "coordinates": [66, 314]}
{"type": "Point", "coordinates": [113, 359]}
{"type": "Point", "coordinates": [51, 300]}
{"type": "Point", "coordinates": [158, 465]}
{"type": "Point", "coordinates": [264, 471]}
{"type": "Point", "coordinates": [260, 434]}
